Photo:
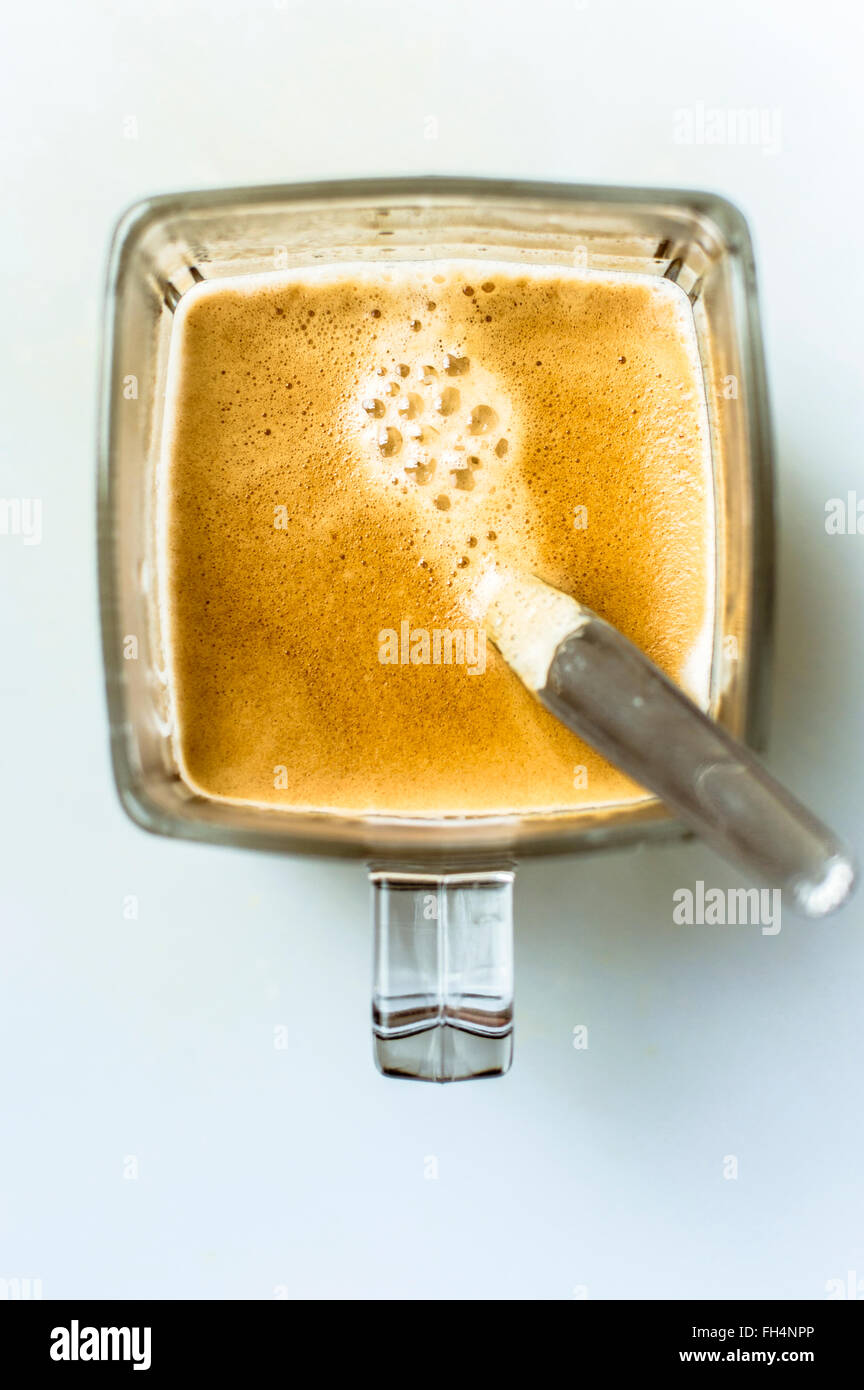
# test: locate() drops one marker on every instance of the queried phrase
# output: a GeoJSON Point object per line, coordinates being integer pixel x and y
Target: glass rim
{"type": "Point", "coordinates": [374, 834]}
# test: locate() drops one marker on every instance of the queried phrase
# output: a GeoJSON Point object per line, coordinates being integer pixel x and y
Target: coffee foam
{"type": "Point", "coordinates": [570, 390]}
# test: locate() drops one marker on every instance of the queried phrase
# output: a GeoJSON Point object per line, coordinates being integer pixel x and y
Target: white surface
{"type": "Point", "coordinates": [301, 1169]}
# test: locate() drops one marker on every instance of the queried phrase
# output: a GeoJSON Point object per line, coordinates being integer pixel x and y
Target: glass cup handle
{"type": "Point", "coordinates": [442, 1000]}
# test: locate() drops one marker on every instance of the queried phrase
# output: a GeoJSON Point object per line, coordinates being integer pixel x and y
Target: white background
{"type": "Point", "coordinates": [302, 1169]}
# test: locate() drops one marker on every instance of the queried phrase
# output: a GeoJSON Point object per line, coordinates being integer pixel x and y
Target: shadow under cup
{"type": "Point", "coordinates": [442, 889]}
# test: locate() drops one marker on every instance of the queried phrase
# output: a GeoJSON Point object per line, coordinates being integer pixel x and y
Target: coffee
{"type": "Point", "coordinates": [346, 450]}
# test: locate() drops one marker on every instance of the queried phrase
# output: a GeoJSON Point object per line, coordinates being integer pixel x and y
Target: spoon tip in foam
{"type": "Point", "coordinates": [526, 619]}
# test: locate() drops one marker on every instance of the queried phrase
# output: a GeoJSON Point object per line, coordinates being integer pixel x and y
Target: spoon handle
{"type": "Point", "coordinates": [606, 690]}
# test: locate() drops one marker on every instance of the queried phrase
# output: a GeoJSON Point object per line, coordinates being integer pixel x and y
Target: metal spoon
{"type": "Point", "coordinates": [607, 691]}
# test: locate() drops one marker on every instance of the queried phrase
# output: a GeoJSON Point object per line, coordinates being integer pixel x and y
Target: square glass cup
{"type": "Point", "coordinates": [161, 248]}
